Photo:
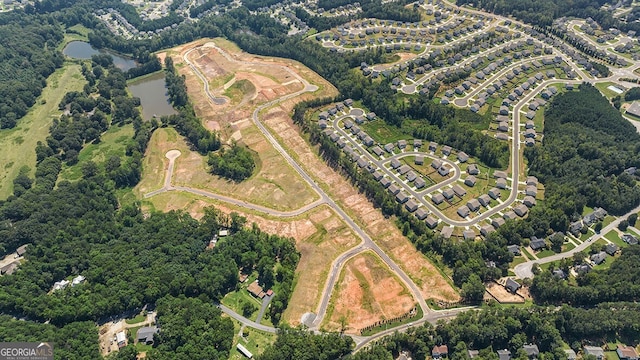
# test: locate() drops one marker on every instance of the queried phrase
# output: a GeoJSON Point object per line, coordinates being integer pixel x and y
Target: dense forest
{"type": "Point", "coordinates": [587, 146]}
{"type": "Point", "coordinates": [621, 282]}
{"type": "Point", "coordinates": [27, 58]}
{"type": "Point", "coordinates": [295, 344]}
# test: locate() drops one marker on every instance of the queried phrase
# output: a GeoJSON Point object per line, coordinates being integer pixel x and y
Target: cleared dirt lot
{"type": "Point", "coordinates": [383, 231]}
{"type": "Point", "coordinates": [366, 293]}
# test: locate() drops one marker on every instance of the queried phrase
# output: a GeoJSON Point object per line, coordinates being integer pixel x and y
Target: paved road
{"type": "Point", "coordinates": [263, 307]}
{"type": "Point", "coordinates": [243, 320]}
{"type": "Point", "coordinates": [215, 99]}
{"type": "Point", "coordinates": [367, 242]}
{"type": "Point", "coordinates": [523, 270]}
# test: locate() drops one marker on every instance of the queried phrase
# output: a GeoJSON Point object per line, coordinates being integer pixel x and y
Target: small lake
{"type": "Point", "coordinates": [83, 50]}
{"type": "Point", "coordinates": [153, 96]}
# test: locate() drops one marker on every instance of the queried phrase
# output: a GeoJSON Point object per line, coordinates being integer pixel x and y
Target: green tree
{"type": "Point", "coordinates": [473, 290]}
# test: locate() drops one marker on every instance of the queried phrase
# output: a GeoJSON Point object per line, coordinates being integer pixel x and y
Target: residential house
{"type": "Point", "coordinates": [463, 211]}
{"type": "Point", "coordinates": [402, 144]}
{"type": "Point", "coordinates": [499, 174]}
{"type": "Point", "coordinates": [504, 354]}
{"type": "Point", "coordinates": [395, 163]}
{"type": "Point", "coordinates": [385, 182]}
{"type": "Point", "coordinates": [512, 285]}
{"type": "Point", "coordinates": [433, 146]}
{"type": "Point", "coordinates": [256, 290]}
{"type": "Point", "coordinates": [470, 181]}
{"type": "Point", "coordinates": [444, 170]}
{"type": "Point", "coordinates": [462, 156]}
{"type": "Point", "coordinates": [437, 198]}
{"type": "Point", "coordinates": [575, 227]}
{"type": "Point", "coordinates": [486, 230]}
{"type": "Point", "coordinates": [402, 197]}
{"type": "Point", "coordinates": [510, 215]}
{"type": "Point", "coordinates": [611, 249]}
{"type": "Point", "coordinates": [473, 205]}
{"type": "Point", "coordinates": [389, 147]}
{"type": "Point", "coordinates": [377, 150]}
{"type": "Point", "coordinates": [368, 140]}
{"type": "Point", "coordinates": [446, 232]}
{"type": "Point", "coordinates": [599, 258]}
{"type": "Point", "coordinates": [531, 350]}
{"type": "Point", "coordinates": [421, 213]}
{"type": "Point", "coordinates": [529, 201]}
{"type": "Point", "coordinates": [501, 183]}
{"type": "Point", "coordinates": [630, 239]}
{"type": "Point", "coordinates": [446, 150]}
{"type": "Point", "coordinates": [121, 339]}
{"type": "Point", "coordinates": [472, 169]}
{"type": "Point", "coordinates": [448, 193]}
{"type": "Point", "coordinates": [21, 250]}
{"type": "Point", "coordinates": [469, 234]}
{"type": "Point", "coordinates": [145, 335]}
{"type": "Point", "coordinates": [436, 164]}
{"type": "Point", "coordinates": [494, 193]}
{"type": "Point", "coordinates": [9, 268]}
{"type": "Point", "coordinates": [404, 169]}
{"type": "Point", "coordinates": [458, 190]}
{"type": "Point", "coordinates": [521, 210]}
{"type": "Point", "coordinates": [532, 181]}
{"type": "Point", "coordinates": [439, 351]}
{"type": "Point", "coordinates": [531, 191]}
{"type": "Point", "coordinates": [514, 250]}
{"type": "Point", "coordinates": [598, 214]}
{"type": "Point", "coordinates": [417, 143]}
{"type": "Point", "coordinates": [411, 176]}
{"type": "Point", "coordinates": [411, 205]}
{"type": "Point", "coordinates": [595, 351]}
{"type": "Point", "coordinates": [419, 183]}
{"type": "Point", "coordinates": [473, 353]}
{"type": "Point", "coordinates": [432, 222]}
{"type": "Point", "coordinates": [497, 222]}
{"type": "Point", "coordinates": [419, 160]}
{"type": "Point", "coordinates": [627, 352]}
{"type": "Point", "coordinates": [484, 200]}
{"type": "Point", "coordinates": [537, 243]}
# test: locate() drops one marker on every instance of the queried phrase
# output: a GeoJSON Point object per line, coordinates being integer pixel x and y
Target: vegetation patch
{"type": "Point", "coordinates": [236, 163]}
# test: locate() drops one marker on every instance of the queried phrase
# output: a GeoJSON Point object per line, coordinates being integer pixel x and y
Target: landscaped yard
{"type": "Point", "coordinates": [137, 319]}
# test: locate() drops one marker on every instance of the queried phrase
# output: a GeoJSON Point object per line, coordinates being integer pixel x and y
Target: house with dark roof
{"type": "Point", "coordinates": [512, 285]}
{"type": "Point", "coordinates": [433, 146]}
{"type": "Point", "coordinates": [444, 170]}
{"type": "Point", "coordinates": [537, 243]}
{"type": "Point", "coordinates": [529, 201]}
{"type": "Point", "coordinates": [417, 143]}
{"type": "Point", "coordinates": [510, 215]}
{"type": "Point", "coordinates": [484, 200]}
{"type": "Point", "coordinates": [494, 193]}
{"type": "Point", "coordinates": [501, 183]}
{"type": "Point", "coordinates": [389, 147]}
{"type": "Point", "coordinates": [575, 227]}
{"type": "Point", "coordinates": [559, 273]}
{"type": "Point", "coordinates": [377, 150]}
{"type": "Point", "coordinates": [514, 250]}
{"type": "Point", "coordinates": [630, 239]}
{"type": "Point", "coordinates": [393, 189]}
{"type": "Point", "coordinates": [402, 144]}
{"type": "Point", "coordinates": [611, 249]}
{"type": "Point", "coordinates": [385, 182]}
{"type": "Point", "coordinates": [419, 159]}
{"type": "Point", "coordinates": [463, 211]}
{"type": "Point", "coordinates": [404, 169]}
{"type": "Point", "coordinates": [411, 205]}
{"type": "Point", "coordinates": [446, 150]}
{"type": "Point", "coordinates": [472, 169]}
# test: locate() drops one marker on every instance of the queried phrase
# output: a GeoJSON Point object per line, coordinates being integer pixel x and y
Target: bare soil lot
{"type": "Point", "coordinates": [366, 293]}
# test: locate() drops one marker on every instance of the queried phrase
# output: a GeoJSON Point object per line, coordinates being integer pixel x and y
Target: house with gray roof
{"type": "Point", "coordinates": [512, 285]}
{"type": "Point", "coordinates": [421, 213]}
{"type": "Point", "coordinates": [504, 354]}
{"type": "Point", "coordinates": [485, 230]}
{"type": "Point", "coordinates": [469, 234]}
{"type": "Point", "coordinates": [419, 183]}
{"type": "Point", "coordinates": [595, 351]}
{"type": "Point", "coordinates": [529, 201]}
{"type": "Point", "coordinates": [497, 222]}
{"type": "Point", "coordinates": [514, 250]}
{"type": "Point", "coordinates": [411, 176]}
{"type": "Point", "coordinates": [385, 182]}
{"type": "Point", "coordinates": [470, 181]}
{"type": "Point", "coordinates": [437, 198]}
{"type": "Point", "coordinates": [463, 211]}
{"type": "Point", "coordinates": [499, 174]}
{"type": "Point", "coordinates": [446, 232]}
{"type": "Point", "coordinates": [377, 150]}
{"type": "Point", "coordinates": [484, 200]}
{"type": "Point", "coordinates": [404, 169]}
{"type": "Point", "coordinates": [393, 189]}
{"type": "Point", "coordinates": [458, 190]}
{"type": "Point", "coordinates": [444, 170]}
{"type": "Point", "coordinates": [521, 210]}
{"type": "Point", "coordinates": [411, 205]}
{"type": "Point", "coordinates": [611, 249]}
{"type": "Point", "coordinates": [473, 205]}
{"type": "Point", "coordinates": [446, 150]}
{"type": "Point", "coordinates": [531, 350]}
{"type": "Point", "coordinates": [472, 169]}
{"type": "Point", "coordinates": [431, 222]}
{"type": "Point", "coordinates": [537, 243]}
{"type": "Point", "coordinates": [389, 147]}
{"type": "Point", "coordinates": [145, 335]}
{"type": "Point", "coordinates": [501, 183]}
{"type": "Point", "coordinates": [419, 159]}
{"type": "Point", "coordinates": [462, 156]}
{"type": "Point", "coordinates": [510, 215]}
{"type": "Point", "coordinates": [402, 197]}
{"type": "Point", "coordinates": [436, 164]}
{"type": "Point", "coordinates": [395, 163]}
{"type": "Point", "coordinates": [599, 258]}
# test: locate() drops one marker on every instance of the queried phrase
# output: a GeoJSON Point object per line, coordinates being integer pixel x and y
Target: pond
{"type": "Point", "coordinates": [153, 96]}
{"type": "Point", "coordinates": [83, 50]}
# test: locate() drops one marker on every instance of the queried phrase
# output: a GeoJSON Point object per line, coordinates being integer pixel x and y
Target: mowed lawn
{"type": "Point", "coordinates": [19, 143]}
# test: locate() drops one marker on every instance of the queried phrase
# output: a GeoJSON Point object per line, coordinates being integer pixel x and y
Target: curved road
{"type": "Point", "coordinates": [367, 242]}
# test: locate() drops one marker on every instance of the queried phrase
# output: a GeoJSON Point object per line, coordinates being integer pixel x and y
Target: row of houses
{"type": "Point", "coordinates": [598, 214]}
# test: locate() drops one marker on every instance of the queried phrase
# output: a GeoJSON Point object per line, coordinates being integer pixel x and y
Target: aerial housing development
{"type": "Point", "coordinates": [321, 179]}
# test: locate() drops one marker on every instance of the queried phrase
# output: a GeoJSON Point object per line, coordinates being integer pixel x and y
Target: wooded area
{"type": "Point", "coordinates": [235, 163]}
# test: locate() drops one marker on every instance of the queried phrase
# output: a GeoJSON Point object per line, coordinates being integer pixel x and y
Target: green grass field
{"type": "Point", "coordinates": [255, 341]}
{"type": "Point", "coordinates": [137, 319]}
{"type": "Point", "coordinates": [609, 94]}
{"type": "Point", "coordinates": [113, 143]}
{"type": "Point", "coordinates": [236, 299]}
{"type": "Point", "coordinates": [19, 143]}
